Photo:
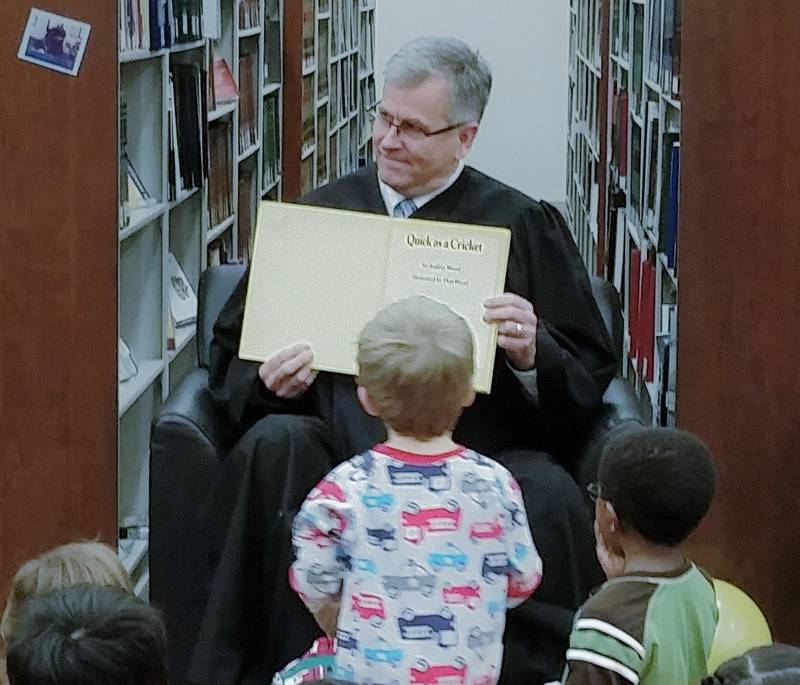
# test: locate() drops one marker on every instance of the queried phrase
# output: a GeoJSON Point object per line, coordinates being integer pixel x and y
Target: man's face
{"type": "Point", "coordinates": [414, 166]}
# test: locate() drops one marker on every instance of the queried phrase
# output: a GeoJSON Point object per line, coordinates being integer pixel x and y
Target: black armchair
{"type": "Point", "coordinates": [190, 437]}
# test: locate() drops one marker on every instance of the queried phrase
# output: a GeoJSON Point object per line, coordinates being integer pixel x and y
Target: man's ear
{"type": "Point", "coordinates": [366, 401]}
{"type": "Point", "coordinates": [466, 138]}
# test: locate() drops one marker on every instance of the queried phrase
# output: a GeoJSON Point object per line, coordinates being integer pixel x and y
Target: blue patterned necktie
{"type": "Point", "coordinates": [404, 209]}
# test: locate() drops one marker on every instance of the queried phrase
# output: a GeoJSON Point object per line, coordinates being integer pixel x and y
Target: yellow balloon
{"type": "Point", "coordinates": [741, 625]}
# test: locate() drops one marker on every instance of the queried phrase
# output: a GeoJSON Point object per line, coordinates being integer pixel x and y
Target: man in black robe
{"type": "Point", "coordinates": [552, 365]}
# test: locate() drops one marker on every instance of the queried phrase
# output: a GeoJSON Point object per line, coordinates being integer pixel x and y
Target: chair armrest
{"type": "Point", "coordinates": [621, 412]}
{"type": "Point", "coordinates": [188, 439]}
{"type": "Point", "coordinates": [191, 414]}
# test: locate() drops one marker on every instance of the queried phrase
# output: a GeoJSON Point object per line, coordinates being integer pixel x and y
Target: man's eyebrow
{"type": "Point", "coordinates": [413, 121]}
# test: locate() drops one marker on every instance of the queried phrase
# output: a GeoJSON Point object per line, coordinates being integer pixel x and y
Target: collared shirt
{"type": "Point", "coordinates": [391, 198]}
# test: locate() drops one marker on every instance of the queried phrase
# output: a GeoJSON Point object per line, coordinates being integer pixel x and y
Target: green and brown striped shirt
{"type": "Point", "coordinates": [653, 629]}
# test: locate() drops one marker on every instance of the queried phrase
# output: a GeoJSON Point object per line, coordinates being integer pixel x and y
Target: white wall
{"type": "Point", "coordinates": [523, 137]}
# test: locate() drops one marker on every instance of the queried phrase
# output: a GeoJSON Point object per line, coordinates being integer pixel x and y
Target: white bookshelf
{"type": "Point", "coordinates": [644, 119]}
{"type": "Point", "coordinates": [336, 90]}
{"type": "Point", "coordinates": [182, 227]}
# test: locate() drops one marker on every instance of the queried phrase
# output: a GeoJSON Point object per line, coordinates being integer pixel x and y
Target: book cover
{"type": "Point", "coordinates": [647, 304]}
{"type": "Point", "coordinates": [352, 265]}
{"type": "Point", "coordinates": [633, 302]}
{"type": "Point", "coordinates": [673, 206]}
{"type": "Point", "coordinates": [225, 90]}
{"type": "Point", "coordinates": [182, 299]}
{"type": "Point", "coordinates": [623, 133]}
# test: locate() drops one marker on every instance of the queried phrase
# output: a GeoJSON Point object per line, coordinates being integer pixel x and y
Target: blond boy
{"type": "Point", "coordinates": [419, 542]}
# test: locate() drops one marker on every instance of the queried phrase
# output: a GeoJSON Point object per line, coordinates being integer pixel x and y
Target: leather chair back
{"type": "Point", "coordinates": [216, 285]}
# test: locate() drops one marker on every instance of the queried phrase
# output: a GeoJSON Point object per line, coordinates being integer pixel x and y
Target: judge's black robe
{"type": "Point", "coordinates": [254, 624]}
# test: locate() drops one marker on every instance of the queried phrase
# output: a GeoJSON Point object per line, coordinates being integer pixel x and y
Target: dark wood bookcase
{"type": "Point", "coordinates": [728, 301]}
{"type": "Point", "coordinates": [58, 291]}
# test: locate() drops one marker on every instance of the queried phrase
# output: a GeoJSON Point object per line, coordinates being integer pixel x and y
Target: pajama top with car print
{"type": "Point", "coordinates": [425, 553]}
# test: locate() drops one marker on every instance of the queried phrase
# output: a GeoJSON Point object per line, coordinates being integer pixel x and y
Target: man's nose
{"type": "Point", "coordinates": [391, 139]}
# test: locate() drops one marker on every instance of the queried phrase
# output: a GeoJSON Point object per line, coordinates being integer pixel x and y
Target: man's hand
{"type": "Point", "coordinates": [289, 374]}
{"type": "Point", "coordinates": [612, 562]}
{"type": "Point", "coordinates": [516, 328]}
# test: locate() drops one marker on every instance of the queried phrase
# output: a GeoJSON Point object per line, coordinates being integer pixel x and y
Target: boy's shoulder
{"type": "Point", "coordinates": [480, 463]}
{"type": "Point", "coordinates": [622, 602]}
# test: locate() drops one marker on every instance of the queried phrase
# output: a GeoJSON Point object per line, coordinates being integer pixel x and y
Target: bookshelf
{"type": "Point", "coordinates": [723, 257]}
{"type": "Point", "coordinates": [329, 90]}
{"type": "Point", "coordinates": [204, 158]}
{"type": "Point", "coordinates": [623, 175]}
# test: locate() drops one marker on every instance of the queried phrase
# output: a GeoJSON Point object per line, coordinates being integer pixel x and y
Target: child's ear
{"type": "Point", "coordinates": [366, 401]}
{"type": "Point", "coordinates": [609, 524]}
{"type": "Point", "coordinates": [469, 398]}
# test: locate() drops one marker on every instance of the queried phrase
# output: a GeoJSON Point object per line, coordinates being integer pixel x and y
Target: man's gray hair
{"type": "Point", "coordinates": [466, 72]}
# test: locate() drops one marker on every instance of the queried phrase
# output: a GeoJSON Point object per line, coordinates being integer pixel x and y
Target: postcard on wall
{"type": "Point", "coordinates": [319, 275]}
{"type": "Point", "coordinates": [54, 42]}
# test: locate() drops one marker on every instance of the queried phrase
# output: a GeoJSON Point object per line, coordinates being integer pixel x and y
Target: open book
{"type": "Point", "coordinates": [319, 275]}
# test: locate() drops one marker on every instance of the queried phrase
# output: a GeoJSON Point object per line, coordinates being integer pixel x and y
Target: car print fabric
{"type": "Point", "coordinates": [427, 553]}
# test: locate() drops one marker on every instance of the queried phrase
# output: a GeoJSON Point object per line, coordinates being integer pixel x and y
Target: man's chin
{"type": "Point", "coordinates": [392, 174]}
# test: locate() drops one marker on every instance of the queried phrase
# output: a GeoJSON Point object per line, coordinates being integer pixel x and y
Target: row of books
{"type": "Point", "coordinates": [272, 43]}
{"type": "Point", "coordinates": [324, 68]}
{"type": "Point", "coordinates": [219, 251]}
{"type": "Point", "coordinates": [344, 89]}
{"type": "Point", "coordinates": [641, 312]}
{"type": "Point", "coordinates": [664, 66]}
{"type": "Point", "coordinates": [249, 14]}
{"type": "Point", "coordinates": [221, 160]}
{"type": "Point", "coordinates": [309, 53]}
{"type": "Point", "coordinates": [245, 217]}
{"type": "Point", "coordinates": [656, 202]}
{"type": "Point", "coordinates": [158, 24]}
{"type": "Point", "coordinates": [585, 31]}
{"type": "Point", "coordinates": [248, 103]}
{"type": "Point", "coordinates": [308, 112]}
{"type": "Point", "coordinates": [667, 351]}
{"type": "Point", "coordinates": [271, 158]}
{"type": "Point", "coordinates": [187, 113]}
{"type": "Point", "coordinates": [322, 145]}
{"type": "Point", "coordinates": [619, 132]}
{"type": "Point", "coordinates": [222, 87]}
{"type": "Point", "coordinates": [364, 118]}
{"type": "Point", "coordinates": [583, 102]}
{"type": "Point", "coordinates": [366, 53]}
{"type": "Point", "coordinates": [344, 25]}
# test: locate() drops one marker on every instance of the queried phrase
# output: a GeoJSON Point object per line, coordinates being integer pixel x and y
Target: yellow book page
{"type": "Point", "coordinates": [316, 276]}
{"type": "Point", "coordinates": [457, 264]}
{"type": "Point", "coordinates": [319, 275]}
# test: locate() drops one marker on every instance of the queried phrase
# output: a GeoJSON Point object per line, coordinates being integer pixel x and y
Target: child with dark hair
{"type": "Point", "coordinates": [653, 621]}
{"type": "Point", "coordinates": [87, 635]}
{"type": "Point", "coordinates": [775, 664]}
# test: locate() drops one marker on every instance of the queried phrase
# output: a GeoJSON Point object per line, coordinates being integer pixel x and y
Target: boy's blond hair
{"type": "Point", "coordinates": [64, 566]}
{"type": "Point", "coordinates": [415, 361]}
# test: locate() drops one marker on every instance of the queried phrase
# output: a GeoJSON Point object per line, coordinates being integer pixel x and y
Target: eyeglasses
{"type": "Point", "coordinates": [406, 129]}
{"type": "Point", "coordinates": [593, 490]}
